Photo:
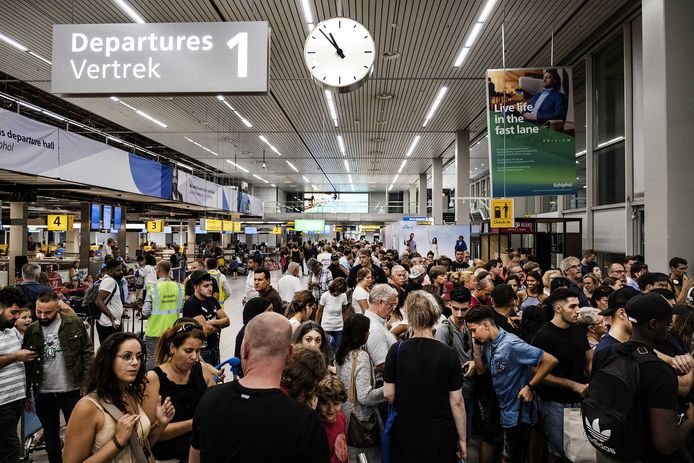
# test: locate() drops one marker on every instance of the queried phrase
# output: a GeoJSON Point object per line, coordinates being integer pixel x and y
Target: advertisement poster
{"type": "Point", "coordinates": [531, 126]}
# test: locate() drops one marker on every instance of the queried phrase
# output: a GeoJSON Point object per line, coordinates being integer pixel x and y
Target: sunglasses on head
{"type": "Point", "coordinates": [188, 327]}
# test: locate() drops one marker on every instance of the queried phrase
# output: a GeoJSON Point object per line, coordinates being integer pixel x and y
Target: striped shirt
{"type": "Point", "coordinates": [12, 379]}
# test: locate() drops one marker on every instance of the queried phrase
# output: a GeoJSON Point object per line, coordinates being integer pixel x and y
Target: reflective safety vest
{"type": "Point", "coordinates": [167, 302]}
{"type": "Point", "coordinates": [217, 275]}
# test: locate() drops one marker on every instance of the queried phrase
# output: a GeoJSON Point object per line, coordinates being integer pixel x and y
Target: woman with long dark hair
{"type": "Point", "coordinates": [312, 334]}
{"type": "Point", "coordinates": [180, 376]}
{"type": "Point", "coordinates": [355, 370]}
{"type": "Point", "coordinates": [110, 422]}
{"type": "Point", "coordinates": [300, 309]}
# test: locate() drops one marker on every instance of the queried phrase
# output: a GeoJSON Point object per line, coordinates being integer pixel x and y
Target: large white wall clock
{"type": "Point", "coordinates": [340, 54]}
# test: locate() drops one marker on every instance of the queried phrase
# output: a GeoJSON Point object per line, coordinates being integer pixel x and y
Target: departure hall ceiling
{"type": "Point", "coordinates": [378, 122]}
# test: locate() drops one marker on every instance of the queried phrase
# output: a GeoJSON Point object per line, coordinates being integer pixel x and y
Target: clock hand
{"type": "Point", "coordinates": [339, 50]}
{"type": "Point", "coordinates": [332, 42]}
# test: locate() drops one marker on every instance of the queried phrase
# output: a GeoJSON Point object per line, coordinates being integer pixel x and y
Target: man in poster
{"type": "Point", "coordinates": [549, 104]}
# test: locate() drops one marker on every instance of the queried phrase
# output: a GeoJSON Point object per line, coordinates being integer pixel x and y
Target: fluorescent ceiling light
{"type": "Point", "coordinates": [350, 177]}
{"type": "Point", "coordinates": [260, 178]}
{"type": "Point", "coordinates": [273, 185]}
{"type": "Point", "coordinates": [236, 165]}
{"type": "Point", "coordinates": [412, 146]}
{"type": "Point", "coordinates": [203, 147]}
{"type": "Point", "coordinates": [461, 57]}
{"type": "Point", "coordinates": [314, 187]}
{"type": "Point", "coordinates": [341, 143]}
{"type": "Point", "coordinates": [185, 166]}
{"type": "Point", "coordinates": [486, 10]}
{"type": "Point", "coordinates": [331, 106]}
{"type": "Point", "coordinates": [272, 147]}
{"type": "Point", "coordinates": [434, 106]}
{"type": "Point", "coordinates": [293, 166]}
{"type": "Point", "coordinates": [395, 179]}
{"type": "Point", "coordinates": [390, 187]}
{"type": "Point", "coordinates": [609, 142]}
{"type": "Point", "coordinates": [581, 153]}
{"type": "Point", "coordinates": [402, 165]}
{"type": "Point", "coordinates": [14, 43]}
{"type": "Point", "coordinates": [352, 185]}
{"type": "Point", "coordinates": [147, 116]}
{"type": "Point", "coordinates": [36, 55]}
{"type": "Point", "coordinates": [114, 98]}
{"type": "Point", "coordinates": [346, 164]}
{"type": "Point", "coordinates": [305, 179]}
{"type": "Point", "coordinates": [245, 121]}
{"type": "Point", "coordinates": [476, 29]}
{"type": "Point", "coordinates": [308, 17]}
{"type": "Point", "coordinates": [127, 9]}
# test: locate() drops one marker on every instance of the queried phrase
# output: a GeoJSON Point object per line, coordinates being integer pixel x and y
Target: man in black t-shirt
{"type": "Point", "coordinates": [566, 386]}
{"type": "Point", "coordinates": [205, 309]}
{"type": "Point", "coordinates": [459, 263]}
{"type": "Point", "coordinates": [261, 424]}
{"type": "Point", "coordinates": [651, 315]}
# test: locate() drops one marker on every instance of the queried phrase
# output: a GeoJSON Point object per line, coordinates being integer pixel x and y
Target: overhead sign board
{"type": "Point", "coordinates": [237, 227]}
{"type": "Point", "coordinates": [155, 226]}
{"type": "Point", "coordinates": [227, 226]}
{"type": "Point", "coordinates": [59, 222]}
{"type": "Point", "coordinates": [417, 218]}
{"type": "Point", "coordinates": [501, 211]}
{"type": "Point", "coordinates": [211, 225]}
{"type": "Point", "coordinates": [276, 230]}
{"type": "Point", "coordinates": [161, 58]}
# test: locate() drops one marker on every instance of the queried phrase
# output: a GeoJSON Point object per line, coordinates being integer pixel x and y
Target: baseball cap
{"type": "Point", "coordinates": [199, 275]}
{"type": "Point", "coordinates": [334, 257]}
{"type": "Point", "coordinates": [416, 272]}
{"type": "Point", "coordinates": [648, 306]}
{"type": "Point", "coordinates": [113, 264]}
{"type": "Point", "coordinates": [618, 300]}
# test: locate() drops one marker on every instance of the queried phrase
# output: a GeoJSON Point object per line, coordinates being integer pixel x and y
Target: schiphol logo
{"type": "Point", "coordinates": [597, 436]}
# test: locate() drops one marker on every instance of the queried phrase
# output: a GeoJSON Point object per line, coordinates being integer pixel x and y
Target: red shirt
{"type": "Point", "coordinates": [337, 440]}
{"type": "Point", "coordinates": [474, 302]}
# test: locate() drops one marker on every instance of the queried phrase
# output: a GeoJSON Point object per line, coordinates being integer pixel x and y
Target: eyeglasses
{"type": "Point", "coordinates": [128, 357]}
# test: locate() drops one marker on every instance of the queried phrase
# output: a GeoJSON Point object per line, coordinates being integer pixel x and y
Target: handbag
{"type": "Point", "coordinates": [390, 422]}
{"type": "Point", "coordinates": [361, 433]}
{"type": "Point", "coordinates": [577, 448]}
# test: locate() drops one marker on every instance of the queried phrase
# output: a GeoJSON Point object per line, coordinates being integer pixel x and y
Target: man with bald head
{"type": "Point", "coordinates": [254, 407]}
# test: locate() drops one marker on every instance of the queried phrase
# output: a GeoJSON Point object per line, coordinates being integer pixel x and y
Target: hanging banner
{"type": "Point", "coordinates": [531, 127]}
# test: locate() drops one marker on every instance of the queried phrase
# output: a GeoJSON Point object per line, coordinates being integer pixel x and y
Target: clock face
{"type": "Point", "coordinates": [340, 54]}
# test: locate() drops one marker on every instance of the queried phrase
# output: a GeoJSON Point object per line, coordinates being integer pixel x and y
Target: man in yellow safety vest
{"type": "Point", "coordinates": [220, 278]}
{"type": "Point", "coordinates": [162, 306]}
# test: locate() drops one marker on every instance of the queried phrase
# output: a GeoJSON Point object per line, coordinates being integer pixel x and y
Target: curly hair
{"type": "Point", "coordinates": [305, 368]}
{"type": "Point", "coordinates": [331, 389]}
{"type": "Point", "coordinates": [102, 379]}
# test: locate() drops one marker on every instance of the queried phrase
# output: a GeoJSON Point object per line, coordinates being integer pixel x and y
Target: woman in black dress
{"type": "Point", "coordinates": [423, 380]}
{"type": "Point", "coordinates": [179, 375]}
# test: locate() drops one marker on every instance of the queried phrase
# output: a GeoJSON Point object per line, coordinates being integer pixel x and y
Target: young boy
{"type": "Point", "coordinates": [516, 369]}
{"type": "Point", "coordinates": [331, 395]}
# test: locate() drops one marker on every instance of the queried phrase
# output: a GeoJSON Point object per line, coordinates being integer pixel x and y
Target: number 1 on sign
{"type": "Point", "coordinates": [240, 40]}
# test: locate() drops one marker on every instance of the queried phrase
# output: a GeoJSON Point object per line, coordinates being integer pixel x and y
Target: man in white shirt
{"type": "Point", "coordinates": [289, 284]}
{"type": "Point", "coordinates": [109, 301]}
{"type": "Point", "coordinates": [382, 300]}
{"type": "Point", "coordinates": [324, 257]}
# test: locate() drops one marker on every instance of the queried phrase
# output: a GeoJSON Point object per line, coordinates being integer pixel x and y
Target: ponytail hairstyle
{"type": "Point", "coordinates": [175, 336]}
{"type": "Point", "coordinates": [301, 300]}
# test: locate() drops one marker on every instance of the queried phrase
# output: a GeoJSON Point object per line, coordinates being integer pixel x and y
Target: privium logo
{"type": "Point", "coordinates": [597, 437]}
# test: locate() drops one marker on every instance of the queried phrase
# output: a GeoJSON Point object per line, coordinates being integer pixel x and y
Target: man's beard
{"type": "Point", "coordinates": [4, 323]}
{"type": "Point", "coordinates": [46, 322]}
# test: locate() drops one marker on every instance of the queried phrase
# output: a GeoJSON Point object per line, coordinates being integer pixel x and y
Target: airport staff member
{"type": "Point", "coordinates": [162, 306]}
{"type": "Point", "coordinates": [220, 278]}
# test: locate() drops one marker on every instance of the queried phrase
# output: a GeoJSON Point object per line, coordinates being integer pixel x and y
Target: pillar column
{"type": "Point", "coordinates": [437, 190]}
{"type": "Point", "coordinates": [667, 128]}
{"type": "Point", "coordinates": [422, 200]}
{"type": "Point", "coordinates": [462, 177]}
{"type": "Point", "coordinates": [19, 213]}
{"type": "Point", "coordinates": [123, 237]}
{"type": "Point", "coordinates": [72, 241]}
{"type": "Point", "coordinates": [85, 211]}
{"type": "Point", "coordinates": [190, 245]}
{"type": "Point", "coordinates": [412, 202]}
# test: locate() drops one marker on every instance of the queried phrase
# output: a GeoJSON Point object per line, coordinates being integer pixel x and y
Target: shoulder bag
{"type": "Point", "coordinates": [141, 451]}
{"type": "Point", "coordinates": [361, 433]}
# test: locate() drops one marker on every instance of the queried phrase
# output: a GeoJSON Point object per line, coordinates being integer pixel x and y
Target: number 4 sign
{"type": "Point", "coordinates": [59, 222]}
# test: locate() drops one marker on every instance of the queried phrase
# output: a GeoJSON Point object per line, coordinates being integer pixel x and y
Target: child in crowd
{"type": "Point", "coordinates": [331, 395]}
{"type": "Point", "coordinates": [23, 321]}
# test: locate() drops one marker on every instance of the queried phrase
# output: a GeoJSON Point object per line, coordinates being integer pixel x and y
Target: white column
{"type": "Point", "coordinates": [437, 190]}
{"type": "Point", "coordinates": [422, 201]}
{"type": "Point", "coordinates": [190, 246]}
{"type": "Point", "coordinates": [462, 176]}
{"type": "Point", "coordinates": [412, 203]}
{"type": "Point", "coordinates": [667, 130]}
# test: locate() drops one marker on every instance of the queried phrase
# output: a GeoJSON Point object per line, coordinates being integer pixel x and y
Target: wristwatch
{"type": "Point", "coordinates": [531, 387]}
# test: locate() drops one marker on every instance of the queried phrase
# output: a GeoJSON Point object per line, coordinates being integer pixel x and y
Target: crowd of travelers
{"type": "Point", "coordinates": [358, 352]}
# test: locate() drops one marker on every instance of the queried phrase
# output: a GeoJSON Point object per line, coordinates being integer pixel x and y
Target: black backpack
{"type": "Point", "coordinates": [89, 300]}
{"type": "Point", "coordinates": [612, 418]}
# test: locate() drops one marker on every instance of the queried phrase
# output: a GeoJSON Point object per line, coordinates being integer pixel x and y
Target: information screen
{"type": "Point", "coordinates": [107, 217]}
{"type": "Point", "coordinates": [317, 226]}
{"type": "Point", "coordinates": [117, 212]}
{"type": "Point", "coordinates": [250, 230]}
{"type": "Point", "coordinates": [95, 217]}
